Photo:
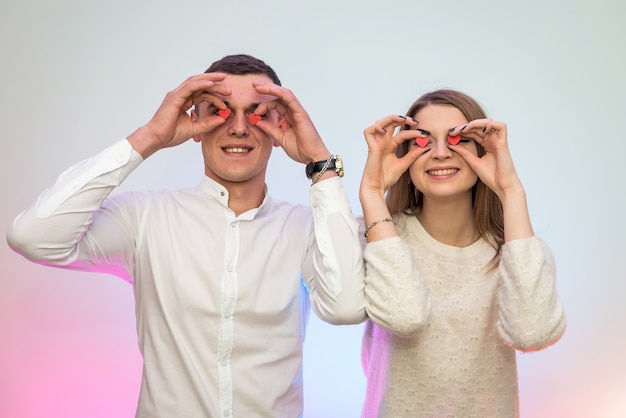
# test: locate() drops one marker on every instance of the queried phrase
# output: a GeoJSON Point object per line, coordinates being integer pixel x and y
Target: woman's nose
{"type": "Point", "coordinates": [440, 149]}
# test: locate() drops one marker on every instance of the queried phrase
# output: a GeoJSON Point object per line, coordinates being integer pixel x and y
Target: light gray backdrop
{"type": "Point", "coordinates": [78, 75]}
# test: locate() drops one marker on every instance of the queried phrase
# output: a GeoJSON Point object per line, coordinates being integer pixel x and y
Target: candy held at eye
{"type": "Point", "coordinates": [453, 140]}
{"type": "Point", "coordinates": [421, 142]}
{"type": "Point", "coordinates": [254, 119]}
{"type": "Point", "coordinates": [224, 113]}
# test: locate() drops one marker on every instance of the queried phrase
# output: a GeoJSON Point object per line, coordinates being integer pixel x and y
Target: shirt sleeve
{"type": "Point", "coordinates": [336, 285]}
{"type": "Point", "coordinates": [531, 313]}
{"type": "Point", "coordinates": [54, 230]}
{"type": "Point", "coordinates": [397, 297]}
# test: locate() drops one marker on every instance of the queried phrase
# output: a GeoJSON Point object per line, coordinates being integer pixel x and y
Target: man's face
{"type": "Point", "coordinates": [237, 151]}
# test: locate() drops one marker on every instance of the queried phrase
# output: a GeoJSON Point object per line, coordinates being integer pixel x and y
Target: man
{"type": "Point", "coordinates": [223, 274]}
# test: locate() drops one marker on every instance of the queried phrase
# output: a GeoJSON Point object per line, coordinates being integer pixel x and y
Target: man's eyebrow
{"type": "Point", "coordinates": [251, 107]}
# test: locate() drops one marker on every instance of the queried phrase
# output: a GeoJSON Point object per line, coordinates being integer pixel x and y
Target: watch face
{"type": "Point", "coordinates": [339, 166]}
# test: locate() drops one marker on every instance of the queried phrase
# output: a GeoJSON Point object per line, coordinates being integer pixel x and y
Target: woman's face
{"type": "Point", "coordinates": [441, 173]}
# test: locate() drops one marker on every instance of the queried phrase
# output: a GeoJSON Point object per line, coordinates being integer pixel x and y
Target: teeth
{"type": "Point", "coordinates": [445, 172]}
{"type": "Point", "coordinates": [237, 150]}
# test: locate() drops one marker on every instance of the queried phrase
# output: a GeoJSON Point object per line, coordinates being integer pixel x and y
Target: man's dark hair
{"type": "Point", "coordinates": [242, 64]}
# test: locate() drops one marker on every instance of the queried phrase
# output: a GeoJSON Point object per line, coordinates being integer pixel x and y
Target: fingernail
{"type": "Point", "coordinates": [485, 129]}
{"type": "Point", "coordinates": [403, 117]}
{"type": "Point", "coordinates": [415, 120]}
{"type": "Point", "coordinates": [451, 129]}
{"type": "Point", "coordinates": [384, 130]}
{"type": "Point", "coordinates": [463, 128]}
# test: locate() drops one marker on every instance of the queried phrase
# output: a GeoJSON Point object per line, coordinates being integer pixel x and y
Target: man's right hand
{"type": "Point", "coordinates": [171, 125]}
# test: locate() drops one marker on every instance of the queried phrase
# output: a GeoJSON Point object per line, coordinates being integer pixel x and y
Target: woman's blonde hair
{"type": "Point", "coordinates": [404, 197]}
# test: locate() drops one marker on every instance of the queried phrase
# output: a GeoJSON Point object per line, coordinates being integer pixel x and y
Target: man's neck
{"type": "Point", "coordinates": [242, 198]}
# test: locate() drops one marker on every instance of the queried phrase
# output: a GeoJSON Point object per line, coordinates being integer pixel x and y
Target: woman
{"type": "Point", "coordinates": [456, 280]}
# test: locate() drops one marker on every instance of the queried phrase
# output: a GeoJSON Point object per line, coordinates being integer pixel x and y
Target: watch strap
{"type": "Point", "coordinates": [333, 163]}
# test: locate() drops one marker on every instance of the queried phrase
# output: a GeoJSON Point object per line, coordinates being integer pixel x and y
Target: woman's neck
{"type": "Point", "coordinates": [449, 222]}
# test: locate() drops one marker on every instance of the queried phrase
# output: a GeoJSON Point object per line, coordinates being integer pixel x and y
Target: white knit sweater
{"type": "Point", "coordinates": [442, 333]}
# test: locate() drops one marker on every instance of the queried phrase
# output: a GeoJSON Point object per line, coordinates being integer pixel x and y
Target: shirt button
{"type": "Point", "coordinates": [227, 413]}
{"type": "Point", "coordinates": [222, 193]}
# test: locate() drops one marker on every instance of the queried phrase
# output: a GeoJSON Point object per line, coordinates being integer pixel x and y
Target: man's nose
{"type": "Point", "coordinates": [239, 125]}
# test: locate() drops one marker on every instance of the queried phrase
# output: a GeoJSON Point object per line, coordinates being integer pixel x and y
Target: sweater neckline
{"type": "Point", "coordinates": [480, 246]}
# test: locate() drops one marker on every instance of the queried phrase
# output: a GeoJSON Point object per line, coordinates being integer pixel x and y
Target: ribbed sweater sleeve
{"type": "Point", "coordinates": [396, 294]}
{"type": "Point", "coordinates": [531, 314]}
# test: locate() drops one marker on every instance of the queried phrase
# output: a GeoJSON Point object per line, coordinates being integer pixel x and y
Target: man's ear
{"type": "Point", "coordinates": [282, 124]}
{"type": "Point", "coordinates": [194, 118]}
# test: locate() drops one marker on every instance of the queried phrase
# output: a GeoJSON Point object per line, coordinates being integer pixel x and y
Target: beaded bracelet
{"type": "Point", "coordinates": [373, 224]}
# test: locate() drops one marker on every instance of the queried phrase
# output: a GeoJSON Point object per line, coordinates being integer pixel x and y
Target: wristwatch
{"type": "Point", "coordinates": [335, 165]}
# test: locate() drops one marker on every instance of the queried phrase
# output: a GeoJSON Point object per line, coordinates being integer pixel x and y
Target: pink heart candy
{"type": "Point", "coordinates": [421, 142]}
{"type": "Point", "coordinates": [225, 113]}
{"type": "Point", "coordinates": [254, 119]}
{"type": "Point", "coordinates": [453, 140]}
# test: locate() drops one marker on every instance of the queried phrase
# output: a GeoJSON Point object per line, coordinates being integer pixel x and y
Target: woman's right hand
{"type": "Point", "coordinates": [382, 167]}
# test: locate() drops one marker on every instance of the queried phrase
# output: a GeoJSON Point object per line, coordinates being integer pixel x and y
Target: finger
{"type": "Point", "coordinates": [271, 129]}
{"type": "Point", "coordinates": [393, 121]}
{"type": "Point", "coordinates": [270, 105]}
{"type": "Point", "coordinates": [189, 94]}
{"type": "Point", "coordinates": [472, 130]}
{"type": "Point", "coordinates": [217, 76]}
{"type": "Point", "coordinates": [285, 95]}
{"type": "Point", "coordinates": [388, 124]}
{"type": "Point", "coordinates": [207, 125]}
{"type": "Point", "coordinates": [374, 129]}
{"type": "Point", "coordinates": [468, 155]}
{"type": "Point", "coordinates": [412, 155]}
{"type": "Point", "coordinates": [409, 135]}
{"type": "Point", "coordinates": [209, 99]}
{"type": "Point", "coordinates": [285, 104]}
{"type": "Point", "coordinates": [209, 83]}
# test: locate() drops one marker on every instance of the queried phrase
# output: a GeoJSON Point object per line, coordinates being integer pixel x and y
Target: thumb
{"type": "Point", "coordinates": [270, 129]}
{"type": "Point", "coordinates": [206, 125]}
{"type": "Point", "coordinates": [469, 157]}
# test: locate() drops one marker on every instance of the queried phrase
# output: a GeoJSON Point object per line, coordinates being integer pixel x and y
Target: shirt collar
{"type": "Point", "coordinates": [220, 194]}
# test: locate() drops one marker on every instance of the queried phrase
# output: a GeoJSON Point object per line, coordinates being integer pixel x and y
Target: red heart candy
{"type": "Point", "coordinates": [421, 142]}
{"type": "Point", "coordinates": [254, 119]}
{"type": "Point", "coordinates": [453, 140]}
{"type": "Point", "coordinates": [225, 113]}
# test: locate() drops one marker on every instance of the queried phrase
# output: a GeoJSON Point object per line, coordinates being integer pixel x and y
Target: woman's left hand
{"type": "Point", "coordinates": [495, 168]}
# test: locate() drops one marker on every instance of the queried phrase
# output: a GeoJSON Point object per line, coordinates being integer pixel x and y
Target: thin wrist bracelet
{"type": "Point", "coordinates": [323, 170]}
{"type": "Point", "coordinates": [373, 224]}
